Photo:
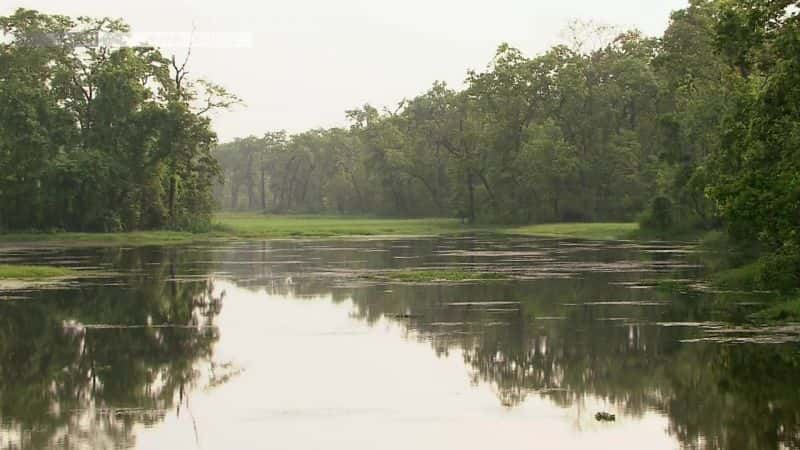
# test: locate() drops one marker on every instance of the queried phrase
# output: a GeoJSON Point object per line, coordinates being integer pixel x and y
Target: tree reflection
{"type": "Point", "coordinates": [81, 367]}
{"type": "Point", "coordinates": [715, 396]}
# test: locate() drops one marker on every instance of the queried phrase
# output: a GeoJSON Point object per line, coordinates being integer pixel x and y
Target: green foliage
{"type": "Point", "coordinates": [754, 172]}
{"type": "Point", "coordinates": [782, 312]}
{"type": "Point", "coordinates": [99, 138]}
{"type": "Point", "coordinates": [775, 271]}
{"type": "Point", "coordinates": [747, 277]}
{"type": "Point", "coordinates": [781, 271]}
{"type": "Point", "coordinates": [694, 83]}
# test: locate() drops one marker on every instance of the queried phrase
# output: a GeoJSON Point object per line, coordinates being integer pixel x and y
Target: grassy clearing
{"type": "Point", "coordinates": [257, 225]}
{"type": "Point", "coordinates": [594, 231]}
{"type": "Point", "coordinates": [20, 272]}
{"type": "Point", "coordinates": [427, 276]}
{"type": "Point", "coordinates": [261, 226]}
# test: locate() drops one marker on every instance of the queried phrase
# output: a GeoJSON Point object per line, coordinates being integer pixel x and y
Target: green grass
{"type": "Point", "coordinates": [20, 272]}
{"type": "Point", "coordinates": [425, 276]}
{"type": "Point", "coordinates": [594, 231]}
{"type": "Point", "coordinates": [250, 225]}
{"type": "Point", "coordinates": [259, 226]}
{"type": "Point", "coordinates": [786, 311]}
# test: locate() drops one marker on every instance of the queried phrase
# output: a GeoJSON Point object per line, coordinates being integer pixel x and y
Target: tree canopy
{"type": "Point", "coordinates": [99, 138]}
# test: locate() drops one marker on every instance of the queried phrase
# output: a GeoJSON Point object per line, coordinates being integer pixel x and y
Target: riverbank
{"type": "Point", "coordinates": [785, 305]}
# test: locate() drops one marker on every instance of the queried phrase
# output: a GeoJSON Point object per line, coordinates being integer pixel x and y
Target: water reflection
{"type": "Point", "coordinates": [80, 367]}
{"type": "Point", "coordinates": [579, 326]}
{"type": "Point", "coordinates": [589, 333]}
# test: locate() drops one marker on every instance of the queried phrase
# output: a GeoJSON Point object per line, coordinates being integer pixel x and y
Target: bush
{"type": "Point", "coordinates": [746, 277]}
{"type": "Point", "coordinates": [780, 271]}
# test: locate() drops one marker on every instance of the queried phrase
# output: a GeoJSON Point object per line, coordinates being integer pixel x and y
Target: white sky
{"type": "Point", "coordinates": [310, 60]}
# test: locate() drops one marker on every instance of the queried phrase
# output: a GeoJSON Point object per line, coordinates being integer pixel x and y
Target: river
{"type": "Point", "coordinates": [303, 345]}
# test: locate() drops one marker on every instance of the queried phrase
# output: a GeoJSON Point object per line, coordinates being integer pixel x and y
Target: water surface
{"type": "Point", "coordinates": [288, 345]}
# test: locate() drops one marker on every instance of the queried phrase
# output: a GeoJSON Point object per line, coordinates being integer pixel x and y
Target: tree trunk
{"type": "Point", "coordinates": [234, 194]}
{"type": "Point", "coordinates": [251, 193]}
{"type": "Point", "coordinates": [556, 206]}
{"type": "Point", "coordinates": [471, 190]}
{"type": "Point", "coordinates": [263, 189]}
{"type": "Point", "coordinates": [492, 199]}
{"type": "Point", "coordinates": [173, 193]}
{"type": "Point", "coordinates": [305, 184]}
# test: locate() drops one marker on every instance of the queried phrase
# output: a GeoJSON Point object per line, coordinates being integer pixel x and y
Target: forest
{"type": "Point", "coordinates": [697, 129]}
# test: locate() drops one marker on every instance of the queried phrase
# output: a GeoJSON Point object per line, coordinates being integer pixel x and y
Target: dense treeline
{"type": "Point", "coordinates": [96, 137]}
{"type": "Point", "coordinates": [566, 135]}
{"type": "Point", "coordinates": [697, 129]}
{"type": "Point", "coordinates": [571, 134]}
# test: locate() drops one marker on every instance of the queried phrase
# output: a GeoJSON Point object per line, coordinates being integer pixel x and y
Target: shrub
{"type": "Point", "coordinates": [780, 271]}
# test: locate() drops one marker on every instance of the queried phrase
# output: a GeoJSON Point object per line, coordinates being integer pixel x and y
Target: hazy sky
{"type": "Point", "coordinates": [312, 59]}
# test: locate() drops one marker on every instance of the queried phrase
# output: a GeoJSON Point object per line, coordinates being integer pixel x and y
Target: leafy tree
{"type": "Point", "coordinates": [100, 138]}
{"type": "Point", "coordinates": [755, 181]}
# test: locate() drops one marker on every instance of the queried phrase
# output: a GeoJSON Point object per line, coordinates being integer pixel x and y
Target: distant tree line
{"type": "Point", "coordinates": [100, 138]}
{"type": "Point", "coordinates": [568, 135]}
{"type": "Point", "coordinates": [581, 132]}
{"type": "Point", "coordinates": [696, 129]}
